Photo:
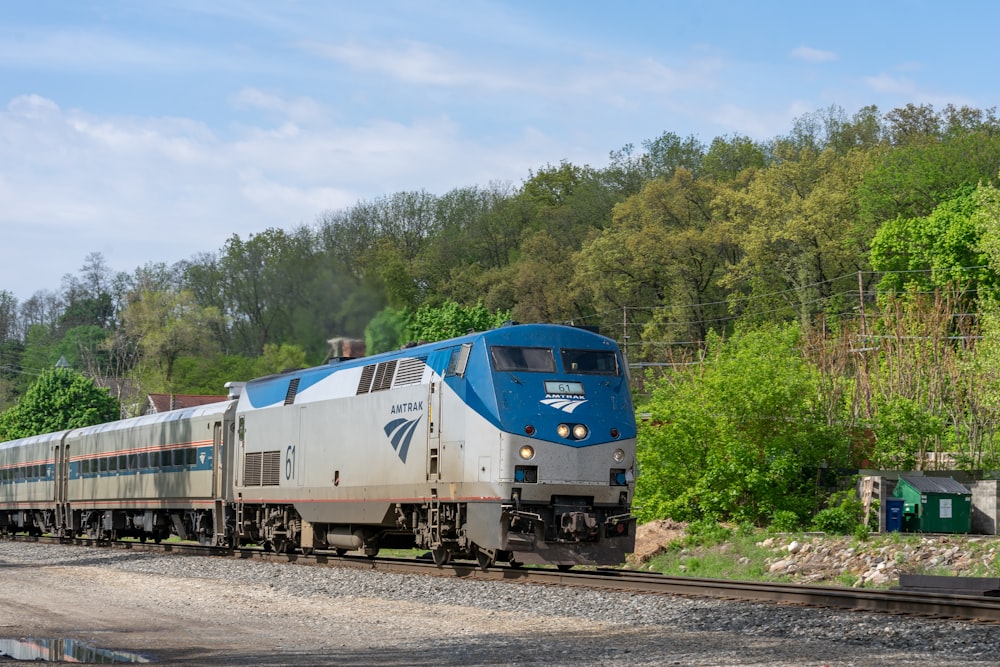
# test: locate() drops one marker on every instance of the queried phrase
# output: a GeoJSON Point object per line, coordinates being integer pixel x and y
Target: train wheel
{"type": "Point", "coordinates": [283, 545]}
{"type": "Point", "coordinates": [484, 559]}
{"type": "Point", "coordinates": [440, 556]}
{"type": "Point", "coordinates": [340, 552]}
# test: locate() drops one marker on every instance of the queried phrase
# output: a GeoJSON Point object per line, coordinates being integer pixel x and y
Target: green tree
{"type": "Point", "coordinates": [280, 358]}
{"type": "Point", "coordinates": [207, 375]}
{"type": "Point", "coordinates": [940, 249]}
{"type": "Point", "coordinates": [450, 320]}
{"type": "Point", "coordinates": [568, 202]}
{"type": "Point", "coordinates": [262, 280]}
{"type": "Point", "coordinates": [59, 399]}
{"type": "Point", "coordinates": [739, 436]}
{"type": "Point", "coordinates": [798, 230]}
{"type": "Point", "coordinates": [166, 326]}
{"type": "Point", "coordinates": [932, 155]}
{"type": "Point", "coordinates": [727, 157]}
{"type": "Point", "coordinates": [905, 432]}
{"type": "Point", "coordinates": [914, 377]}
{"type": "Point", "coordinates": [541, 282]}
{"type": "Point", "coordinates": [387, 330]}
{"type": "Point", "coordinates": [977, 410]}
{"type": "Point", "coordinates": [665, 251]}
{"type": "Point", "coordinates": [986, 219]}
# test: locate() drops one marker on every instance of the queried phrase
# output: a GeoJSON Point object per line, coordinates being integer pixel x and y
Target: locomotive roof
{"type": "Point", "coordinates": [510, 333]}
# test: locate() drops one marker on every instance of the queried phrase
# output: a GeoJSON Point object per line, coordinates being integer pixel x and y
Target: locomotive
{"type": "Point", "coordinates": [515, 444]}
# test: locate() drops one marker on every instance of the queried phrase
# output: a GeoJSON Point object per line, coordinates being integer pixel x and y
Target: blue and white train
{"type": "Point", "coordinates": [515, 444]}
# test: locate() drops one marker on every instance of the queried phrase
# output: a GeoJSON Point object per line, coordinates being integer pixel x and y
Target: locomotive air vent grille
{"type": "Point", "coordinates": [270, 474]}
{"type": "Point", "coordinates": [293, 388]}
{"type": "Point", "coordinates": [383, 375]}
{"type": "Point", "coordinates": [411, 371]}
{"type": "Point", "coordinates": [377, 377]}
{"type": "Point", "coordinates": [251, 469]}
{"type": "Point", "coordinates": [262, 469]}
{"type": "Point", "coordinates": [365, 385]}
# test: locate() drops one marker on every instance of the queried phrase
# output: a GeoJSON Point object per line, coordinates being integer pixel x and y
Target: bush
{"type": "Point", "coordinates": [785, 521]}
{"type": "Point", "coordinates": [842, 516]}
{"type": "Point", "coordinates": [835, 520]}
{"type": "Point", "coordinates": [706, 533]}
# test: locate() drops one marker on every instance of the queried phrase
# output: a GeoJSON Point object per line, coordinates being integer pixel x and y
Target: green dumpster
{"type": "Point", "coordinates": [934, 504]}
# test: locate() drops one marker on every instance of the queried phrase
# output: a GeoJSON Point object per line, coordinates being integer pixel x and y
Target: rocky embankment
{"type": "Point", "coordinates": [877, 562]}
{"type": "Point", "coordinates": [836, 560]}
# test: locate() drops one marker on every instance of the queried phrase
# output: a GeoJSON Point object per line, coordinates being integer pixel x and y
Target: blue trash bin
{"type": "Point", "coordinates": [893, 515]}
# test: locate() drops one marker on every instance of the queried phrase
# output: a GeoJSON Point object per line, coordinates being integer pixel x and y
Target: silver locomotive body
{"type": "Point", "coordinates": [489, 446]}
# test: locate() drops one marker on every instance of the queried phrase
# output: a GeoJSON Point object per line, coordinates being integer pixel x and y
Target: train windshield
{"type": "Point", "coordinates": [590, 362]}
{"type": "Point", "coordinates": [536, 359]}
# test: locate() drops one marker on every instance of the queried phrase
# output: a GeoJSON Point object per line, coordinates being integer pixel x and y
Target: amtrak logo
{"type": "Point", "coordinates": [400, 433]}
{"type": "Point", "coordinates": [563, 403]}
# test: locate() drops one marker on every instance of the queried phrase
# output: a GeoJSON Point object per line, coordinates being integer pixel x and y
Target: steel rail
{"type": "Point", "coordinates": [909, 603]}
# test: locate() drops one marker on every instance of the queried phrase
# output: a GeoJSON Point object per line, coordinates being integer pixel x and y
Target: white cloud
{"type": "Point", "coordinates": [298, 109]}
{"type": "Point", "coordinates": [416, 63]}
{"type": "Point", "coordinates": [813, 55]}
{"type": "Point", "coordinates": [886, 84]}
{"type": "Point", "coordinates": [164, 189]}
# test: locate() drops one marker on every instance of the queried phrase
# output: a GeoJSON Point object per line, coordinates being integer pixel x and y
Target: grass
{"type": "Point", "coordinates": [736, 555]}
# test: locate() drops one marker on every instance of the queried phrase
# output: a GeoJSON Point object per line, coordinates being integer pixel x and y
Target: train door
{"type": "Point", "coordinates": [60, 483]}
{"type": "Point", "coordinates": [444, 452]}
{"type": "Point", "coordinates": [434, 429]}
{"type": "Point", "coordinates": [218, 480]}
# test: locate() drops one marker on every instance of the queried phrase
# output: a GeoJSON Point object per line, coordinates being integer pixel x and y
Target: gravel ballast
{"type": "Point", "coordinates": [188, 610]}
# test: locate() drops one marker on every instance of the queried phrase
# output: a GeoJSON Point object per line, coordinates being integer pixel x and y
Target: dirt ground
{"type": "Point", "coordinates": [209, 621]}
{"type": "Point", "coordinates": [206, 621]}
{"type": "Point", "coordinates": [652, 537]}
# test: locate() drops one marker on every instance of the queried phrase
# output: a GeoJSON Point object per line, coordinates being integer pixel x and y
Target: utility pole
{"type": "Point", "coordinates": [625, 331]}
{"type": "Point", "coordinates": [866, 388]}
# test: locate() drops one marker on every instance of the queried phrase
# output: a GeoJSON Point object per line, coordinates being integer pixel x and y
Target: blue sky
{"type": "Point", "coordinates": [154, 131]}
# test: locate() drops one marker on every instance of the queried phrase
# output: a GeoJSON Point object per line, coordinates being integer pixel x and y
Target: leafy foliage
{"type": "Point", "coordinates": [737, 437]}
{"type": "Point", "coordinates": [59, 399]}
{"type": "Point", "coordinates": [449, 320]}
{"type": "Point", "coordinates": [842, 516]}
{"type": "Point", "coordinates": [387, 330]}
{"type": "Point", "coordinates": [936, 250]}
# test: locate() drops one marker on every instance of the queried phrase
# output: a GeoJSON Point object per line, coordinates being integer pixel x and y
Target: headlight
{"type": "Point", "coordinates": [572, 431]}
{"type": "Point", "coordinates": [527, 452]}
{"type": "Point", "coordinates": [619, 455]}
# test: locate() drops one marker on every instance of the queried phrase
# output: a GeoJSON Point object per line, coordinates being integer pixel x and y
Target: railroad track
{"type": "Point", "coordinates": [901, 602]}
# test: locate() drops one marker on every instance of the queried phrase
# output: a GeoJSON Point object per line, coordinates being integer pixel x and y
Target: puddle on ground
{"type": "Point", "coordinates": [63, 650]}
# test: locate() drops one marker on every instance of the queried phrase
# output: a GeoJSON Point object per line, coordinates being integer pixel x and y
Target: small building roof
{"type": "Point", "coordinates": [166, 402]}
{"type": "Point", "coordinates": [935, 484]}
